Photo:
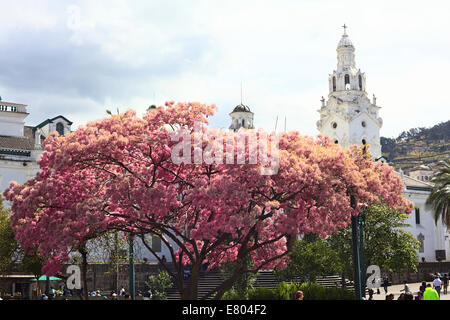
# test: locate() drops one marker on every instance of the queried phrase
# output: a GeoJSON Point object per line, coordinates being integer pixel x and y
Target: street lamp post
{"type": "Point", "coordinates": [356, 265]}
{"type": "Point", "coordinates": [361, 223]}
{"type": "Point", "coordinates": [356, 255]}
{"type": "Point", "coordinates": [131, 267]}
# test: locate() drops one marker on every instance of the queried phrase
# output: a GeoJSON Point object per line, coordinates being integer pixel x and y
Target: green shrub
{"type": "Point", "coordinates": [230, 295]}
{"type": "Point", "coordinates": [159, 284]}
{"type": "Point", "coordinates": [286, 291]}
{"type": "Point", "coordinates": [314, 291]}
{"type": "Point", "coordinates": [262, 293]}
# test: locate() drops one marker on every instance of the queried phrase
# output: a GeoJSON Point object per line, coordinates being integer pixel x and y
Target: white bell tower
{"type": "Point", "coordinates": [241, 117]}
{"type": "Point", "coordinates": [348, 116]}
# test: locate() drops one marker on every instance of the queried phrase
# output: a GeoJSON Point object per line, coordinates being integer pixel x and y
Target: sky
{"type": "Point", "coordinates": [80, 58]}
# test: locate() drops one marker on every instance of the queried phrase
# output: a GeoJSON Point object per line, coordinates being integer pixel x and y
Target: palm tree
{"type": "Point", "coordinates": [440, 194]}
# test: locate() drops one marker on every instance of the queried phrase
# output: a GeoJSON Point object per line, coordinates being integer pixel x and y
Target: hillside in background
{"type": "Point", "coordinates": [418, 146]}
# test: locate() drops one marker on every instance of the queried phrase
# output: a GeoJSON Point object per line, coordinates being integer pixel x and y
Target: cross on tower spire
{"type": "Point", "coordinates": [345, 27]}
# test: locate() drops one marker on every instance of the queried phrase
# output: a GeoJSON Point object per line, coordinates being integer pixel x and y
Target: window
{"type": "Point", "coordinates": [334, 83]}
{"type": "Point", "coordinates": [363, 124]}
{"type": "Point", "coordinates": [364, 141]}
{"type": "Point", "coordinates": [60, 128]}
{"type": "Point", "coordinates": [360, 82]}
{"type": "Point", "coordinates": [417, 212]}
{"type": "Point", "coordinates": [334, 125]}
{"type": "Point", "coordinates": [336, 141]}
{"type": "Point", "coordinates": [156, 244]}
{"type": "Point", "coordinates": [347, 79]}
{"type": "Point", "coordinates": [421, 239]}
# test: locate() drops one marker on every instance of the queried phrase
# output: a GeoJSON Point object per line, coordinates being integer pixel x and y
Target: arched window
{"type": "Point", "coordinates": [334, 125]}
{"type": "Point", "coordinates": [360, 82]}
{"type": "Point", "coordinates": [347, 79]}
{"type": "Point", "coordinates": [421, 239]}
{"type": "Point", "coordinates": [243, 122]}
{"type": "Point", "coordinates": [334, 83]}
{"type": "Point", "coordinates": [336, 141]}
{"type": "Point", "coordinates": [364, 141]}
{"type": "Point", "coordinates": [60, 128]}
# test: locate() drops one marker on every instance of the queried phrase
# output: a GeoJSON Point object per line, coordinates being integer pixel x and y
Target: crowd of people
{"type": "Point", "coordinates": [427, 291]}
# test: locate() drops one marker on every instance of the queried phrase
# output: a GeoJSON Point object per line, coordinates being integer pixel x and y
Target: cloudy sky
{"type": "Point", "coordinates": [79, 58]}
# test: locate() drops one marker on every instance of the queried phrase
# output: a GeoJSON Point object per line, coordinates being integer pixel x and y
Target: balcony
{"type": "Point", "coordinates": [12, 107]}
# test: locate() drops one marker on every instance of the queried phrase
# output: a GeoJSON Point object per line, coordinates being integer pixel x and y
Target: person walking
{"type": "Point", "coordinates": [437, 283]}
{"type": "Point", "coordinates": [445, 282]}
{"type": "Point", "coordinates": [385, 284]}
{"type": "Point", "coordinates": [430, 293]}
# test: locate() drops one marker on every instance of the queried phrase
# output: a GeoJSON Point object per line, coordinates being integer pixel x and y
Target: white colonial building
{"type": "Point", "coordinates": [21, 145]}
{"type": "Point", "coordinates": [349, 117]}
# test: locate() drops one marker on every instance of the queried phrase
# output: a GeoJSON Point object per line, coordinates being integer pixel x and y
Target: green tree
{"type": "Point", "coordinates": [245, 281]}
{"type": "Point", "coordinates": [159, 284]}
{"type": "Point", "coordinates": [309, 258]}
{"type": "Point", "coordinates": [110, 248]}
{"type": "Point", "coordinates": [8, 245]}
{"type": "Point", "coordinates": [385, 243]}
{"type": "Point", "coordinates": [31, 262]}
{"type": "Point", "coordinates": [440, 194]}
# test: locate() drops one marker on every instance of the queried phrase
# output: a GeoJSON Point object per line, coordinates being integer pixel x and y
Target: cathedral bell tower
{"type": "Point", "coordinates": [348, 116]}
{"type": "Point", "coordinates": [241, 117]}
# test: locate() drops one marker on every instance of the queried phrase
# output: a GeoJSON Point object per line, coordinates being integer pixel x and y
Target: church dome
{"type": "Point", "coordinates": [345, 42]}
{"type": "Point", "coordinates": [241, 108]}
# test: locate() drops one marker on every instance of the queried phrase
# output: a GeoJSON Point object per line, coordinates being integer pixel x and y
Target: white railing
{"type": "Point", "coordinates": [12, 107]}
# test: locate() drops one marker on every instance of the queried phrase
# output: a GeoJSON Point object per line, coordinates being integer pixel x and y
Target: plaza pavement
{"type": "Point", "coordinates": [414, 287]}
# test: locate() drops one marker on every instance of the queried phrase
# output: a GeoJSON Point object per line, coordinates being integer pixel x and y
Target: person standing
{"type": "Point", "coordinates": [385, 284]}
{"type": "Point", "coordinates": [122, 291]}
{"type": "Point", "coordinates": [423, 287]}
{"type": "Point", "coordinates": [430, 293]}
{"type": "Point", "coordinates": [437, 283]}
{"type": "Point", "coordinates": [445, 282]}
{"type": "Point", "coordinates": [299, 295]}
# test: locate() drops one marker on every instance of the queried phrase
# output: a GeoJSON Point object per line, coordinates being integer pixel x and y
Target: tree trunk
{"type": "Point", "coordinates": [343, 281]}
{"type": "Point", "coordinates": [228, 284]}
{"type": "Point", "coordinates": [84, 265]}
{"type": "Point", "coordinates": [190, 292]}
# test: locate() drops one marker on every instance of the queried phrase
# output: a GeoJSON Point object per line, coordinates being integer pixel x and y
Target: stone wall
{"type": "Point", "coordinates": [425, 270]}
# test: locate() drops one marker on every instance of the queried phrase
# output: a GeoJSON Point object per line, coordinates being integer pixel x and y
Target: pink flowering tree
{"type": "Point", "coordinates": [119, 173]}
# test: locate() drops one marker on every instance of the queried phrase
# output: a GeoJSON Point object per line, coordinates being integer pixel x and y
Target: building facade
{"type": "Point", "coordinates": [349, 117]}
{"type": "Point", "coordinates": [21, 145]}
